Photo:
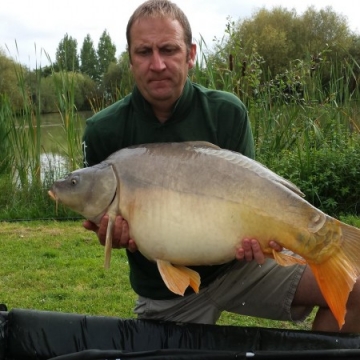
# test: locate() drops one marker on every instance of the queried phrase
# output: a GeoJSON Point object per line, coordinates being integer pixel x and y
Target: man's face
{"type": "Point", "coordinates": [159, 59]}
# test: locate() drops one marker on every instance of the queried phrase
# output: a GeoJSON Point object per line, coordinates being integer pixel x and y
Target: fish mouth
{"type": "Point", "coordinates": [52, 195]}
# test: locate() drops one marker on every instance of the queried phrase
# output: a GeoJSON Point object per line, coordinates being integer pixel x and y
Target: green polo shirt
{"type": "Point", "coordinates": [199, 114]}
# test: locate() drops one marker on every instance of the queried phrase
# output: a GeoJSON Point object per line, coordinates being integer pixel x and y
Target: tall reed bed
{"type": "Point", "coordinates": [65, 90]}
{"type": "Point", "coordinates": [312, 137]}
{"type": "Point", "coordinates": [305, 123]}
{"type": "Point", "coordinates": [25, 179]}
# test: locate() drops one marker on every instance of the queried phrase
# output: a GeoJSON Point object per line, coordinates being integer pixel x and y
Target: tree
{"type": "Point", "coordinates": [111, 81]}
{"type": "Point", "coordinates": [106, 53]}
{"type": "Point", "coordinates": [282, 36]}
{"type": "Point", "coordinates": [9, 83]}
{"type": "Point", "coordinates": [272, 33]}
{"type": "Point", "coordinates": [325, 28]}
{"type": "Point", "coordinates": [354, 54]}
{"type": "Point", "coordinates": [127, 81]}
{"type": "Point", "coordinates": [66, 54]}
{"type": "Point", "coordinates": [89, 59]}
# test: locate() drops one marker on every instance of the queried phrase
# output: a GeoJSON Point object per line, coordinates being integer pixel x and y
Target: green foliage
{"type": "Point", "coordinates": [67, 86]}
{"type": "Point", "coordinates": [304, 117]}
{"type": "Point", "coordinates": [72, 86]}
{"type": "Point", "coordinates": [25, 133]}
{"type": "Point", "coordinates": [272, 32]}
{"type": "Point", "coordinates": [105, 52]}
{"type": "Point", "coordinates": [88, 58]}
{"type": "Point", "coordinates": [118, 81]}
{"type": "Point", "coordinates": [30, 202]}
{"type": "Point", "coordinates": [325, 27]}
{"type": "Point", "coordinates": [229, 70]}
{"type": "Point", "coordinates": [21, 132]}
{"type": "Point", "coordinates": [111, 81]}
{"type": "Point", "coordinates": [5, 111]}
{"type": "Point", "coordinates": [282, 36]}
{"type": "Point", "coordinates": [66, 54]}
{"type": "Point", "coordinates": [328, 175]}
{"type": "Point", "coordinates": [306, 131]}
{"type": "Point", "coordinates": [48, 95]}
{"type": "Point", "coordinates": [8, 81]}
{"type": "Point", "coordinates": [317, 148]}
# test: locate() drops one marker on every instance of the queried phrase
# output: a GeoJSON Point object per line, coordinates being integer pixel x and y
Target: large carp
{"type": "Point", "coordinates": [192, 203]}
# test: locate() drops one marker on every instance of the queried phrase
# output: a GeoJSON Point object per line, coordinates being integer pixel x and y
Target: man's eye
{"type": "Point", "coordinates": [144, 52]}
{"type": "Point", "coordinates": [168, 51]}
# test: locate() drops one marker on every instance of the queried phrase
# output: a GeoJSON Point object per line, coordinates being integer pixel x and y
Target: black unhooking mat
{"type": "Point", "coordinates": [30, 334]}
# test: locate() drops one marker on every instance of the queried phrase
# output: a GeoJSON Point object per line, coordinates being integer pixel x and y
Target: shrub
{"type": "Point", "coordinates": [327, 176]}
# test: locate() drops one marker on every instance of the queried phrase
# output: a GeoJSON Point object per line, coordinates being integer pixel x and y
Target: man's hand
{"type": "Point", "coordinates": [120, 238]}
{"type": "Point", "coordinates": [251, 250]}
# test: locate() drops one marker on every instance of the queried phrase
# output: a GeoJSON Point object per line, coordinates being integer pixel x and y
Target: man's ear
{"type": "Point", "coordinates": [192, 56]}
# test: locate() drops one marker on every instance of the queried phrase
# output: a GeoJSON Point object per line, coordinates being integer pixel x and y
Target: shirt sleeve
{"type": "Point", "coordinates": [243, 140]}
{"type": "Point", "coordinates": [234, 127]}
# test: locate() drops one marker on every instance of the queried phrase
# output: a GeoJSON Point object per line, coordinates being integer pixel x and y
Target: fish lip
{"type": "Point", "coordinates": [52, 195]}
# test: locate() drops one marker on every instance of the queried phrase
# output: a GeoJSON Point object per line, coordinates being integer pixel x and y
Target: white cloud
{"type": "Point", "coordinates": [42, 24]}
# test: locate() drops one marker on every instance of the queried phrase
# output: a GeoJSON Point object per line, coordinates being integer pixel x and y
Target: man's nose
{"type": "Point", "coordinates": [157, 62]}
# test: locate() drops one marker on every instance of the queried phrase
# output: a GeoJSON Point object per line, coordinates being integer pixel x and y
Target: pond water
{"type": "Point", "coordinates": [53, 135]}
{"type": "Point", "coordinates": [53, 158]}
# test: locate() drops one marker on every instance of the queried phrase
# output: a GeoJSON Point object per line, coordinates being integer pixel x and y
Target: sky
{"type": "Point", "coordinates": [30, 31]}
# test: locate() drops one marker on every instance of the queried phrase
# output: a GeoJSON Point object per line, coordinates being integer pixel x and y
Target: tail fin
{"type": "Point", "coordinates": [337, 275]}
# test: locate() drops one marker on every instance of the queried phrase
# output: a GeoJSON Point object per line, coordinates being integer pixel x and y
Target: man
{"type": "Point", "coordinates": [165, 106]}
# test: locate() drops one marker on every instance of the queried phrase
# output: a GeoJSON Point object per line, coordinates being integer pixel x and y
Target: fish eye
{"type": "Point", "coordinates": [74, 180]}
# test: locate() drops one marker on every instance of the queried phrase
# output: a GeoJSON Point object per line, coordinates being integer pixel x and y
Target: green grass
{"type": "Point", "coordinates": [58, 266]}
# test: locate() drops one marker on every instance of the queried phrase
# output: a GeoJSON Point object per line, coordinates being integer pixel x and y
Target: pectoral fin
{"type": "Point", "coordinates": [112, 212]}
{"type": "Point", "coordinates": [287, 260]}
{"type": "Point", "coordinates": [194, 277]}
{"type": "Point", "coordinates": [178, 278]}
{"type": "Point", "coordinates": [108, 241]}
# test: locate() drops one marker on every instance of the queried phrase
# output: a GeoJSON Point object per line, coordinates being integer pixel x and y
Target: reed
{"type": "Point", "coordinates": [5, 112]}
{"type": "Point", "coordinates": [301, 119]}
{"type": "Point", "coordinates": [25, 134]}
{"type": "Point", "coordinates": [65, 90]}
{"type": "Point", "coordinates": [305, 121]}
{"type": "Point", "coordinates": [25, 179]}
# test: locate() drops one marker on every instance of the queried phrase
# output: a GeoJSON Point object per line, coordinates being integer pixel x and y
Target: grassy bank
{"type": "Point", "coordinates": [58, 266]}
{"type": "Point", "coordinates": [305, 129]}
